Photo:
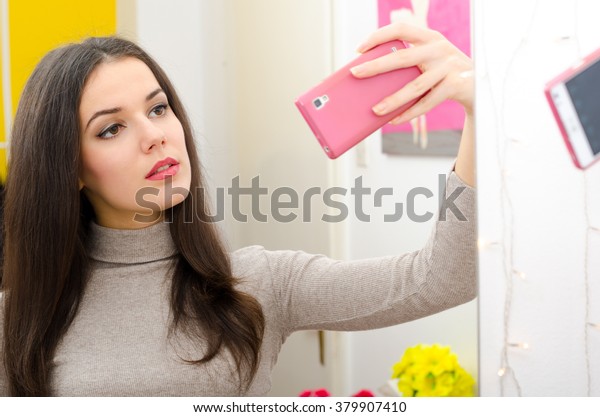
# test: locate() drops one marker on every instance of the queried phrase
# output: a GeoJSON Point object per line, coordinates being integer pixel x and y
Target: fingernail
{"type": "Point", "coordinates": [361, 47]}
{"type": "Point", "coordinates": [358, 70]}
{"type": "Point", "coordinates": [380, 108]}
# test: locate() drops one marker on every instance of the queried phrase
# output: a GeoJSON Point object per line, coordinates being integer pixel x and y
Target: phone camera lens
{"type": "Point", "coordinates": [320, 101]}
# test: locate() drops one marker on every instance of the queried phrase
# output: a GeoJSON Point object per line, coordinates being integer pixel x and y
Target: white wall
{"type": "Point", "coordinates": [538, 217]}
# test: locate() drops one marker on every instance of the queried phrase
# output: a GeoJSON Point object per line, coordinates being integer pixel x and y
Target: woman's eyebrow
{"type": "Point", "coordinates": [118, 109]}
{"type": "Point", "coordinates": [153, 94]}
{"type": "Point", "coordinates": [102, 112]}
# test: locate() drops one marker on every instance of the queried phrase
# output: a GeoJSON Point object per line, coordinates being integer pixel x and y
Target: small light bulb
{"type": "Point", "coordinates": [518, 142]}
{"type": "Point", "coordinates": [501, 372]}
{"type": "Point", "coordinates": [520, 345]}
{"type": "Point", "coordinates": [520, 274]}
{"type": "Point", "coordinates": [563, 38]}
{"type": "Point", "coordinates": [485, 244]}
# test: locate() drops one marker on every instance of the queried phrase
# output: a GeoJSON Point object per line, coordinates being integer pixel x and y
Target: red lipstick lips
{"type": "Point", "coordinates": [163, 169]}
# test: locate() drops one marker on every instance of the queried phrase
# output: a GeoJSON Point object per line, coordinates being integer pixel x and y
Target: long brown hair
{"type": "Point", "coordinates": [47, 218]}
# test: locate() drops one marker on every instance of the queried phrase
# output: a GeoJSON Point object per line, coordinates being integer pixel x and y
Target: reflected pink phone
{"type": "Point", "coordinates": [339, 109]}
{"type": "Point", "coordinates": [574, 99]}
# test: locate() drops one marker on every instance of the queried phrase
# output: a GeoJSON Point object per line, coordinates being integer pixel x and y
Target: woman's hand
{"type": "Point", "coordinates": [447, 73]}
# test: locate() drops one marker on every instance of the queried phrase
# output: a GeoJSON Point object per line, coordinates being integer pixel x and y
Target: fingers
{"type": "Point", "coordinates": [432, 99]}
{"type": "Point", "coordinates": [410, 91]}
{"type": "Point", "coordinates": [402, 58]}
{"type": "Point", "coordinates": [446, 71]}
{"type": "Point", "coordinates": [424, 105]}
{"type": "Point", "coordinates": [403, 31]}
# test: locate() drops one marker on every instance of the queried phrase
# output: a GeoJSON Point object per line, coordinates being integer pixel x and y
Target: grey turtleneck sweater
{"type": "Point", "coordinates": [118, 344]}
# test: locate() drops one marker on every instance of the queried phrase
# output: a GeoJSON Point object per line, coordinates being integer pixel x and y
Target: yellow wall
{"type": "Point", "coordinates": [3, 139]}
{"type": "Point", "coordinates": [37, 26]}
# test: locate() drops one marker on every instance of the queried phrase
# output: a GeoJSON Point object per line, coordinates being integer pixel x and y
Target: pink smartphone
{"type": "Point", "coordinates": [339, 109]}
{"type": "Point", "coordinates": [574, 98]}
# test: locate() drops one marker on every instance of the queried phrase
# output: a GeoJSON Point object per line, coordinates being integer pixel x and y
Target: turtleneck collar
{"type": "Point", "coordinates": [131, 246]}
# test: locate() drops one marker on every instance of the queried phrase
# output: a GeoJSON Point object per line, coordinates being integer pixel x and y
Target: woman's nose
{"type": "Point", "coordinates": [152, 136]}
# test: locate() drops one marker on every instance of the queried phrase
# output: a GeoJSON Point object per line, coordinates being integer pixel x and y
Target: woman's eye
{"type": "Point", "coordinates": [110, 132]}
{"type": "Point", "coordinates": [159, 110]}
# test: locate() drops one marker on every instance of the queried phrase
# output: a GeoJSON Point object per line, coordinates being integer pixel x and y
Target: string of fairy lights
{"type": "Point", "coordinates": [505, 144]}
{"type": "Point", "coordinates": [590, 229]}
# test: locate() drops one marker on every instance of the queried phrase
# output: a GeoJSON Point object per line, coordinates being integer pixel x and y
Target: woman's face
{"type": "Point", "coordinates": [134, 159]}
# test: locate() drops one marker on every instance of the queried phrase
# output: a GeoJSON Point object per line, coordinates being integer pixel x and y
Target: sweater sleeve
{"type": "Point", "coordinates": [316, 292]}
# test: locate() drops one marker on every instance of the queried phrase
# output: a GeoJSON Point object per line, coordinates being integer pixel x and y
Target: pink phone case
{"type": "Point", "coordinates": [345, 116]}
{"type": "Point", "coordinates": [563, 77]}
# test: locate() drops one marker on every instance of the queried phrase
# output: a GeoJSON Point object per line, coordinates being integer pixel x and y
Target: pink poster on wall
{"type": "Point", "coordinates": [452, 19]}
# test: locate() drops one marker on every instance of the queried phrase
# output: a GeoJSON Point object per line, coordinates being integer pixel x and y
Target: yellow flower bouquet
{"type": "Point", "coordinates": [432, 371]}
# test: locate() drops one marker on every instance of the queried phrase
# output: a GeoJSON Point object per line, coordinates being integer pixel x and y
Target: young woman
{"type": "Point", "coordinates": [105, 296]}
